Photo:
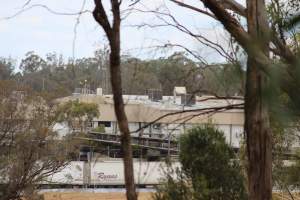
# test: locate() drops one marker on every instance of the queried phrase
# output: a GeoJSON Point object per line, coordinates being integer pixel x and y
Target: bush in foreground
{"type": "Point", "coordinates": [209, 169]}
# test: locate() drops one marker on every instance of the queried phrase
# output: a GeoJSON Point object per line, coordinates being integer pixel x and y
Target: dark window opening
{"type": "Point", "coordinates": [105, 124]}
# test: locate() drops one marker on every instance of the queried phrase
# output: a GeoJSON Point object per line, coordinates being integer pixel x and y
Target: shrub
{"type": "Point", "coordinates": [209, 169]}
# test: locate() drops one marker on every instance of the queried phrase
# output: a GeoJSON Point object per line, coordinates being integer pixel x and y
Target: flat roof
{"type": "Point", "coordinates": [140, 109]}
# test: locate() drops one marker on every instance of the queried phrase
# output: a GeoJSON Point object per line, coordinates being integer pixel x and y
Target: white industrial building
{"type": "Point", "coordinates": [153, 116]}
{"type": "Point", "coordinates": [181, 111]}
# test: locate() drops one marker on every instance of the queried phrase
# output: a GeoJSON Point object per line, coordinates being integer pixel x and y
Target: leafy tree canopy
{"type": "Point", "coordinates": [74, 111]}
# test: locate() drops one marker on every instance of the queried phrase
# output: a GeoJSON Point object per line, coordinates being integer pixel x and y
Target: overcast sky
{"type": "Point", "coordinates": [41, 31]}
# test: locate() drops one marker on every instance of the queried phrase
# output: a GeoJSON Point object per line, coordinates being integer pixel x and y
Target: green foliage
{"type": "Point", "coordinates": [53, 74]}
{"type": "Point", "coordinates": [210, 163]}
{"type": "Point", "coordinates": [138, 76]}
{"type": "Point", "coordinates": [287, 176]}
{"type": "Point", "coordinates": [32, 62]}
{"type": "Point", "coordinates": [100, 129]}
{"type": "Point", "coordinates": [284, 17]}
{"type": "Point", "coordinates": [6, 69]}
{"type": "Point", "coordinates": [293, 21]}
{"type": "Point", "coordinates": [224, 80]}
{"type": "Point", "coordinates": [209, 169]}
{"type": "Point", "coordinates": [77, 113]}
{"type": "Point", "coordinates": [174, 189]}
{"type": "Point", "coordinates": [176, 70]}
{"type": "Point", "coordinates": [293, 174]}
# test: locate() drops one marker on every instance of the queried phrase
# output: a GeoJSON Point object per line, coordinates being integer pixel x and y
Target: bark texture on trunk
{"type": "Point", "coordinates": [258, 133]}
{"type": "Point", "coordinates": [116, 84]}
{"type": "Point", "coordinates": [257, 125]}
{"type": "Point", "coordinates": [113, 34]}
{"type": "Point", "coordinates": [255, 41]}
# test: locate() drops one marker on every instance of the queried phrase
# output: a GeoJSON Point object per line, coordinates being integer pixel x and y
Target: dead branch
{"type": "Point", "coordinates": [200, 111]}
{"type": "Point", "coordinates": [25, 9]}
{"type": "Point", "coordinates": [234, 27]}
{"type": "Point", "coordinates": [75, 28]}
{"type": "Point", "coordinates": [177, 25]}
{"type": "Point", "coordinates": [182, 4]}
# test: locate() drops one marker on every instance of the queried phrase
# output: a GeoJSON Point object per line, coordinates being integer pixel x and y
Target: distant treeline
{"type": "Point", "coordinates": [60, 76]}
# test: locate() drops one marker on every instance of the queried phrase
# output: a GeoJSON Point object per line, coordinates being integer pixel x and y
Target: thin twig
{"type": "Point", "coordinates": [200, 111]}
{"type": "Point", "coordinates": [75, 29]}
{"type": "Point", "coordinates": [46, 8]}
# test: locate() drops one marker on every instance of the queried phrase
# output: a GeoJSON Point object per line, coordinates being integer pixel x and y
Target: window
{"type": "Point", "coordinates": [156, 126]}
{"type": "Point", "coordinates": [105, 124]}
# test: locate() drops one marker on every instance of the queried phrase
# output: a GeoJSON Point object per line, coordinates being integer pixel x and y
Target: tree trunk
{"type": "Point", "coordinates": [257, 125]}
{"type": "Point", "coordinates": [258, 136]}
{"type": "Point", "coordinates": [116, 83]}
{"type": "Point", "coordinates": [113, 35]}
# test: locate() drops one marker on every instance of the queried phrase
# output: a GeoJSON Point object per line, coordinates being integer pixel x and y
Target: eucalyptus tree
{"type": "Point", "coordinates": [258, 41]}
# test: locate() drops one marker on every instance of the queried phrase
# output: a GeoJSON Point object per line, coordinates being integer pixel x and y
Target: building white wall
{"type": "Point", "coordinates": [110, 173]}
{"type": "Point", "coordinates": [71, 174]}
{"type": "Point", "coordinates": [233, 133]}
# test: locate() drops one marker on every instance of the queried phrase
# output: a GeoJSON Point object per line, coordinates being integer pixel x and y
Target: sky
{"type": "Point", "coordinates": [36, 29]}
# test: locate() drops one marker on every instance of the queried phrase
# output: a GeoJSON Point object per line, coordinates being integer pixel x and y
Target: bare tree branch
{"type": "Point", "coordinates": [176, 24]}
{"type": "Point", "coordinates": [75, 28]}
{"type": "Point", "coordinates": [234, 27]}
{"type": "Point", "coordinates": [25, 9]}
{"type": "Point", "coordinates": [200, 111]}
{"type": "Point", "coordinates": [182, 4]}
{"type": "Point", "coordinates": [26, 4]}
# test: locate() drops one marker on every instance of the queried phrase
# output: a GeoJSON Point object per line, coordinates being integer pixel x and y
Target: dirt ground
{"type": "Point", "coordinates": [286, 196]}
{"type": "Point", "coordinates": [121, 196]}
{"type": "Point", "coordinates": [92, 196]}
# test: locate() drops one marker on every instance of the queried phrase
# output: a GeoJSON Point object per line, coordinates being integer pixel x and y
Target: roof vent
{"type": "Point", "coordinates": [179, 91]}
